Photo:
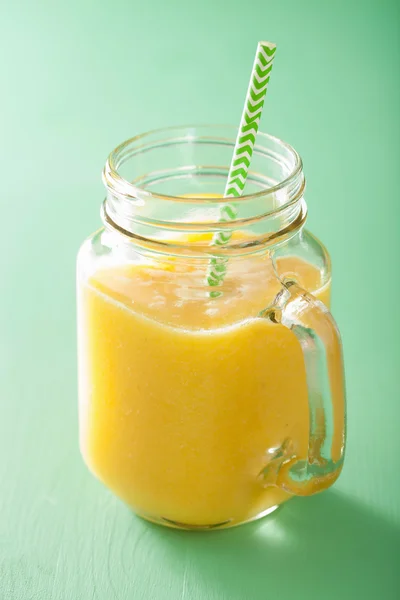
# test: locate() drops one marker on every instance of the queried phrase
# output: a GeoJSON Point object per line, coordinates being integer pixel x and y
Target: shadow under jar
{"type": "Point", "coordinates": [206, 406]}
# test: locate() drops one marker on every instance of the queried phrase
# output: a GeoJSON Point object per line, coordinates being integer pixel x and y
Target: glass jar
{"type": "Point", "coordinates": [207, 403]}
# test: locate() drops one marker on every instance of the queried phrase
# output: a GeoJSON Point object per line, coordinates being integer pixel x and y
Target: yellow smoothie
{"type": "Point", "coordinates": [182, 397]}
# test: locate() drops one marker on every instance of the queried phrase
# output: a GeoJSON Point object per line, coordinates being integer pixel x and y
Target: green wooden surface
{"type": "Point", "coordinates": [77, 78]}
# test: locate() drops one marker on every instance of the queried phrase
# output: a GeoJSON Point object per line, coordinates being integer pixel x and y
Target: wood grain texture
{"type": "Point", "coordinates": [78, 78]}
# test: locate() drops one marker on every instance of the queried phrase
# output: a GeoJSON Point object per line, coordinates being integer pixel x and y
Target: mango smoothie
{"type": "Point", "coordinates": [183, 397]}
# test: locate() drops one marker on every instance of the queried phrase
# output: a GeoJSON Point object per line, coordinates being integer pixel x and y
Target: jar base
{"type": "Point", "coordinates": [208, 527]}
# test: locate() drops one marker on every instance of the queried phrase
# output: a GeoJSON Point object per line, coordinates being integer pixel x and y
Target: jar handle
{"type": "Point", "coordinates": [313, 325]}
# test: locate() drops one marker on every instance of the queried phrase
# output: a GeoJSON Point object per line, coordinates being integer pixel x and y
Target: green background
{"type": "Point", "coordinates": [79, 77]}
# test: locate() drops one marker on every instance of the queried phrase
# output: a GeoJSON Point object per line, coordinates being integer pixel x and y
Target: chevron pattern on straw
{"type": "Point", "coordinates": [243, 152]}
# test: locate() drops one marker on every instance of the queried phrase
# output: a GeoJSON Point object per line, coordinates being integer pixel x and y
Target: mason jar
{"type": "Point", "coordinates": [207, 401]}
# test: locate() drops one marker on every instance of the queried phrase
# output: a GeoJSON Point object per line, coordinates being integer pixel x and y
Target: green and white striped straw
{"type": "Point", "coordinates": [242, 153]}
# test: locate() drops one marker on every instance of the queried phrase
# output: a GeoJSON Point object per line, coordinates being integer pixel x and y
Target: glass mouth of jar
{"type": "Point", "coordinates": [165, 187]}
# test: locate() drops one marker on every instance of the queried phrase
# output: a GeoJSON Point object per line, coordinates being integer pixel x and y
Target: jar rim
{"type": "Point", "coordinates": [121, 186]}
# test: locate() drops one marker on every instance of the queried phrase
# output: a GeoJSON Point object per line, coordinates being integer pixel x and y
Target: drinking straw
{"type": "Point", "coordinates": [242, 153]}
